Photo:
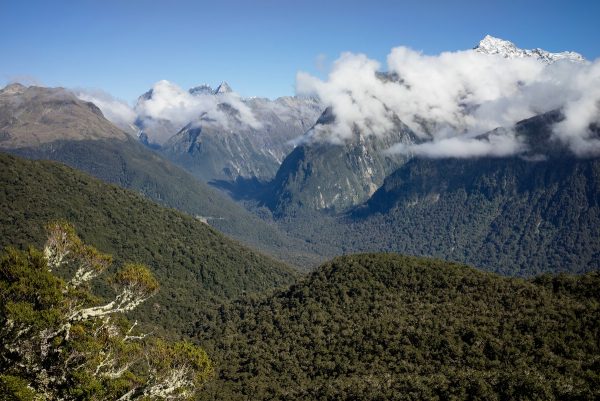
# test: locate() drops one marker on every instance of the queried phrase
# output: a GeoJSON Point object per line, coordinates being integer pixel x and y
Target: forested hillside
{"type": "Point", "coordinates": [390, 327]}
{"type": "Point", "coordinates": [52, 123]}
{"type": "Point", "coordinates": [512, 216]}
{"type": "Point", "coordinates": [132, 166]}
{"type": "Point", "coordinates": [196, 265]}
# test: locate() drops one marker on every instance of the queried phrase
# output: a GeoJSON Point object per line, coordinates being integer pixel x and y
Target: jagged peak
{"type": "Point", "coordinates": [493, 45]}
{"type": "Point", "coordinates": [507, 49]}
{"type": "Point", "coordinates": [223, 88]}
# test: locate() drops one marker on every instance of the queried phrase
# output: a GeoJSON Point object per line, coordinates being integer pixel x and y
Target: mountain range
{"type": "Point", "coordinates": [310, 198]}
{"type": "Point", "coordinates": [230, 146]}
{"type": "Point", "coordinates": [397, 311]}
{"type": "Point", "coordinates": [52, 123]}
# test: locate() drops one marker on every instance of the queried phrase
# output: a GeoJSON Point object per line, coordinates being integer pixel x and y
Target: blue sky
{"type": "Point", "coordinates": [123, 47]}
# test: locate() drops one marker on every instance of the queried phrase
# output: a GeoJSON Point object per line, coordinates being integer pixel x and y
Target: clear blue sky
{"type": "Point", "coordinates": [123, 47]}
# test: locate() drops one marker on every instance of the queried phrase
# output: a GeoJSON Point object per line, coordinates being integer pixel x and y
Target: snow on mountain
{"type": "Point", "coordinates": [506, 49]}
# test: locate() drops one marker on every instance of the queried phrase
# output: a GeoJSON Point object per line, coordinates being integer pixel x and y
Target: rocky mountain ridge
{"type": "Point", "coordinates": [507, 49]}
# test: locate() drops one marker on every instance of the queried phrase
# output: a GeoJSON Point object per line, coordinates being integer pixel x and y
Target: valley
{"type": "Point", "coordinates": [427, 228]}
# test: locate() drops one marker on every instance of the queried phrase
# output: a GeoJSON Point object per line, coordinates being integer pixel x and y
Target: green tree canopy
{"type": "Point", "coordinates": [59, 341]}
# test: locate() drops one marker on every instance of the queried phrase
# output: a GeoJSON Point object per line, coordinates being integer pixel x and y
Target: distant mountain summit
{"type": "Point", "coordinates": [230, 147]}
{"type": "Point", "coordinates": [506, 49]}
{"type": "Point", "coordinates": [223, 88]}
{"type": "Point", "coordinates": [32, 116]}
{"type": "Point", "coordinates": [203, 89]}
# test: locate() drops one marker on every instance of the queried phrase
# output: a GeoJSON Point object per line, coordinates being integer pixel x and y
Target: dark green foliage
{"type": "Point", "coordinates": [507, 215]}
{"type": "Point", "coordinates": [59, 343]}
{"type": "Point", "coordinates": [131, 165]}
{"type": "Point", "coordinates": [385, 327]}
{"type": "Point", "coordinates": [510, 216]}
{"type": "Point", "coordinates": [195, 265]}
{"type": "Point", "coordinates": [15, 388]}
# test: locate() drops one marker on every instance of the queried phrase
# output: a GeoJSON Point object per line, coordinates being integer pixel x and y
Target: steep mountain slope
{"type": "Point", "coordinates": [381, 327]}
{"type": "Point", "coordinates": [107, 153]}
{"type": "Point", "coordinates": [195, 265]}
{"type": "Point", "coordinates": [320, 175]}
{"type": "Point", "coordinates": [231, 148]}
{"type": "Point", "coordinates": [511, 215]}
{"type": "Point", "coordinates": [539, 212]}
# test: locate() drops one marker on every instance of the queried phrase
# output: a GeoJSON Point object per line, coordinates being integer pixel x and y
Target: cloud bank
{"type": "Point", "coordinates": [167, 108]}
{"type": "Point", "coordinates": [450, 99]}
{"type": "Point", "coordinates": [116, 111]}
{"type": "Point", "coordinates": [168, 101]}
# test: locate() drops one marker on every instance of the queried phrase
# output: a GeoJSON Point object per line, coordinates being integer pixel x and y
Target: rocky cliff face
{"type": "Point", "coordinates": [321, 175]}
{"type": "Point", "coordinates": [226, 150]}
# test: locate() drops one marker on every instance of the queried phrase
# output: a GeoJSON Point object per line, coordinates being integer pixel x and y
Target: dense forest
{"type": "Point", "coordinates": [61, 342]}
{"type": "Point", "coordinates": [386, 327]}
{"type": "Point", "coordinates": [369, 326]}
{"type": "Point", "coordinates": [131, 165]}
{"type": "Point", "coordinates": [511, 216]}
{"type": "Point", "coordinates": [197, 266]}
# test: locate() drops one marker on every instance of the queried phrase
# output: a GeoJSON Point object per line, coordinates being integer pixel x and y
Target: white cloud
{"type": "Point", "coordinates": [451, 98]}
{"type": "Point", "coordinates": [582, 110]}
{"type": "Point", "coordinates": [116, 111]}
{"type": "Point", "coordinates": [170, 108]}
{"type": "Point", "coordinates": [495, 145]}
{"type": "Point", "coordinates": [178, 106]}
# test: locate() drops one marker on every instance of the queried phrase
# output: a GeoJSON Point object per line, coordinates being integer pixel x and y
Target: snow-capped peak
{"type": "Point", "coordinates": [506, 49]}
{"type": "Point", "coordinates": [223, 88]}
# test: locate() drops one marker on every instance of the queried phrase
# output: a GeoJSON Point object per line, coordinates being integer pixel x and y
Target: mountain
{"type": "Point", "coordinates": [320, 175]}
{"type": "Point", "coordinates": [223, 88]}
{"type": "Point", "coordinates": [217, 150]}
{"type": "Point", "coordinates": [203, 89]}
{"type": "Point", "coordinates": [154, 131]}
{"type": "Point", "coordinates": [517, 215]}
{"type": "Point", "coordinates": [231, 147]}
{"type": "Point", "coordinates": [506, 49]}
{"type": "Point", "coordinates": [32, 118]}
{"type": "Point", "coordinates": [390, 327]}
{"type": "Point", "coordinates": [522, 215]}
{"type": "Point", "coordinates": [197, 267]}
{"type": "Point", "coordinates": [219, 136]}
